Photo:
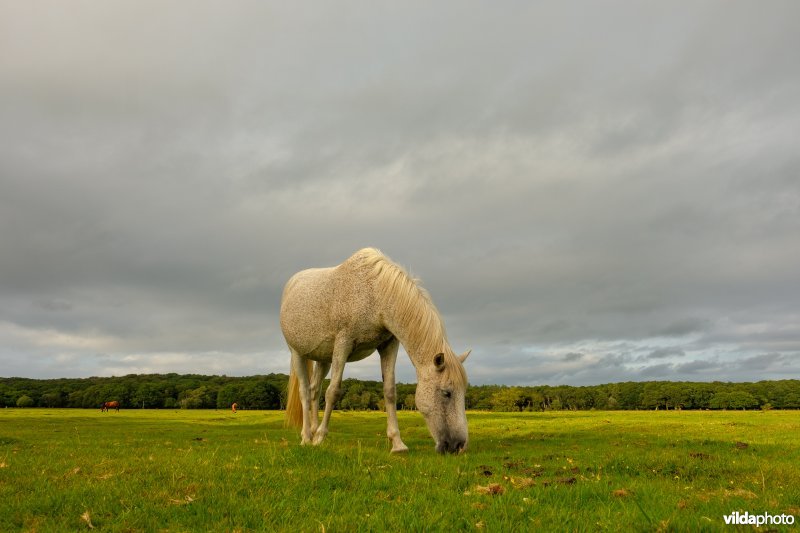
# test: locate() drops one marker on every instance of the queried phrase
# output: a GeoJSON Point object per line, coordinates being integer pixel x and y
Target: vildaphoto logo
{"type": "Point", "coordinates": [758, 520]}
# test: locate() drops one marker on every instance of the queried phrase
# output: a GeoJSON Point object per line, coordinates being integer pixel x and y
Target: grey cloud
{"type": "Point", "coordinates": [559, 183]}
{"type": "Point", "coordinates": [693, 370]}
{"type": "Point", "coordinates": [660, 371]}
{"type": "Point", "coordinates": [665, 352]}
{"type": "Point", "coordinates": [762, 362]}
{"type": "Point", "coordinates": [693, 367]}
{"type": "Point", "coordinates": [55, 305]}
{"type": "Point", "coordinates": [682, 327]}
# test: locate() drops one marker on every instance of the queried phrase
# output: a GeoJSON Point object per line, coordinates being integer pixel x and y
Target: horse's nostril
{"type": "Point", "coordinates": [446, 446]}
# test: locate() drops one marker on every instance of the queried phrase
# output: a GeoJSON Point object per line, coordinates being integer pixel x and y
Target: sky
{"type": "Point", "coordinates": [591, 192]}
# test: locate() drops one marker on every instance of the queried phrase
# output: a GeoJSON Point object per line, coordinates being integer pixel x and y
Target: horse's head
{"type": "Point", "coordinates": [441, 387]}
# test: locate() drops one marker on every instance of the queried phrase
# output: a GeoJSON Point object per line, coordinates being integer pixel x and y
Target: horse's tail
{"type": "Point", "coordinates": [294, 409]}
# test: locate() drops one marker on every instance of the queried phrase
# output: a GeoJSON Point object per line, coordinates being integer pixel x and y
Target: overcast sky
{"type": "Point", "coordinates": [592, 192]}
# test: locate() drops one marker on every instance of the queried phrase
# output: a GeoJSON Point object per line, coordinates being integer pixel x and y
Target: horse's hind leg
{"type": "Point", "coordinates": [300, 370]}
{"type": "Point", "coordinates": [341, 351]}
{"type": "Point", "coordinates": [320, 371]}
{"type": "Point", "coordinates": [388, 354]}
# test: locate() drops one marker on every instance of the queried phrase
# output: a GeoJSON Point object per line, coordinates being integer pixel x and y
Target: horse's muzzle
{"type": "Point", "coordinates": [451, 446]}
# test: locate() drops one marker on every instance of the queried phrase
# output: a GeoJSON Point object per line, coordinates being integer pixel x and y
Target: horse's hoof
{"type": "Point", "coordinates": [400, 449]}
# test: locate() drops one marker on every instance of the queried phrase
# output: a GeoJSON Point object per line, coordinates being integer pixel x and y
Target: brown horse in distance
{"type": "Point", "coordinates": [109, 405]}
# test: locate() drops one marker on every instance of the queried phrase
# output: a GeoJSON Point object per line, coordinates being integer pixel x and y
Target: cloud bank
{"type": "Point", "coordinates": [591, 194]}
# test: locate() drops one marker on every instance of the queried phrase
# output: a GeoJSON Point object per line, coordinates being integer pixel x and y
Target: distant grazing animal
{"type": "Point", "coordinates": [109, 405]}
{"type": "Point", "coordinates": [234, 405]}
{"type": "Point", "coordinates": [332, 316]}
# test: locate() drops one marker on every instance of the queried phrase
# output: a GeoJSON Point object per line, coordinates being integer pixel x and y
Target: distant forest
{"type": "Point", "coordinates": [174, 391]}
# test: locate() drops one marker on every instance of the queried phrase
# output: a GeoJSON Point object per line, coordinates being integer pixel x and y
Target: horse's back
{"type": "Point", "coordinates": [319, 303]}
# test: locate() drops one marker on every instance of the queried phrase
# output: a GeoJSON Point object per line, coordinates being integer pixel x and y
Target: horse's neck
{"type": "Point", "coordinates": [420, 345]}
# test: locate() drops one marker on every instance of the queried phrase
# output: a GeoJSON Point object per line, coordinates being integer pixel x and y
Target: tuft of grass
{"type": "Point", "coordinates": [213, 470]}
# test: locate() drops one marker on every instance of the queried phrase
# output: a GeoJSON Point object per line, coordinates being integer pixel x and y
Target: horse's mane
{"type": "Point", "coordinates": [413, 306]}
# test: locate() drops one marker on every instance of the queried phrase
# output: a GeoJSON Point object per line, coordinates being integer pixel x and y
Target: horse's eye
{"type": "Point", "coordinates": [447, 393]}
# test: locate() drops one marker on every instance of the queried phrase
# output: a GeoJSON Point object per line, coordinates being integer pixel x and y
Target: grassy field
{"type": "Point", "coordinates": [72, 470]}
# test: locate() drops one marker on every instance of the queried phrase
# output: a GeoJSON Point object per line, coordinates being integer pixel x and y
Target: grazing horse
{"type": "Point", "coordinates": [109, 405]}
{"type": "Point", "coordinates": [332, 316]}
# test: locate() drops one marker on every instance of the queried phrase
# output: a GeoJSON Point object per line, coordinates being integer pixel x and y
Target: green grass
{"type": "Point", "coordinates": [215, 471]}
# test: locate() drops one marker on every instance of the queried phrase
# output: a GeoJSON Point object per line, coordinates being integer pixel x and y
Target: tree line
{"type": "Point", "coordinates": [174, 391]}
{"type": "Point", "coordinates": [652, 395]}
{"type": "Point", "coordinates": [147, 391]}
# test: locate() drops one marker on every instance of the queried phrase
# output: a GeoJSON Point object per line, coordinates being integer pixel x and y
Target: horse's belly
{"type": "Point", "coordinates": [323, 352]}
{"type": "Point", "coordinates": [361, 352]}
{"type": "Point", "coordinates": [362, 348]}
{"type": "Point", "coordinates": [365, 347]}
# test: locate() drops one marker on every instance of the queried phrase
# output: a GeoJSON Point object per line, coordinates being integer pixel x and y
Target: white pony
{"type": "Point", "coordinates": [344, 313]}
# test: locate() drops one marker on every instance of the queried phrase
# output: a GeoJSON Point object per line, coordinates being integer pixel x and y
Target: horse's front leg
{"type": "Point", "coordinates": [388, 353]}
{"type": "Point", "coordinates": [341, 351]}
{"type": "Point", "coordinates": [320, 371]}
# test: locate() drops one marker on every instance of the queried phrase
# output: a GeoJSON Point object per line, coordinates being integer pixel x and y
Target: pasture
{"type": "Point", "coordinates": [192, 470]}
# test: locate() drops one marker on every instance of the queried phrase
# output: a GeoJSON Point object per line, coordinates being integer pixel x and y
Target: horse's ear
{"type": "Point", "coordinates": [463, 356]}
{"type": "Point", "coordinates": [438, 361]}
